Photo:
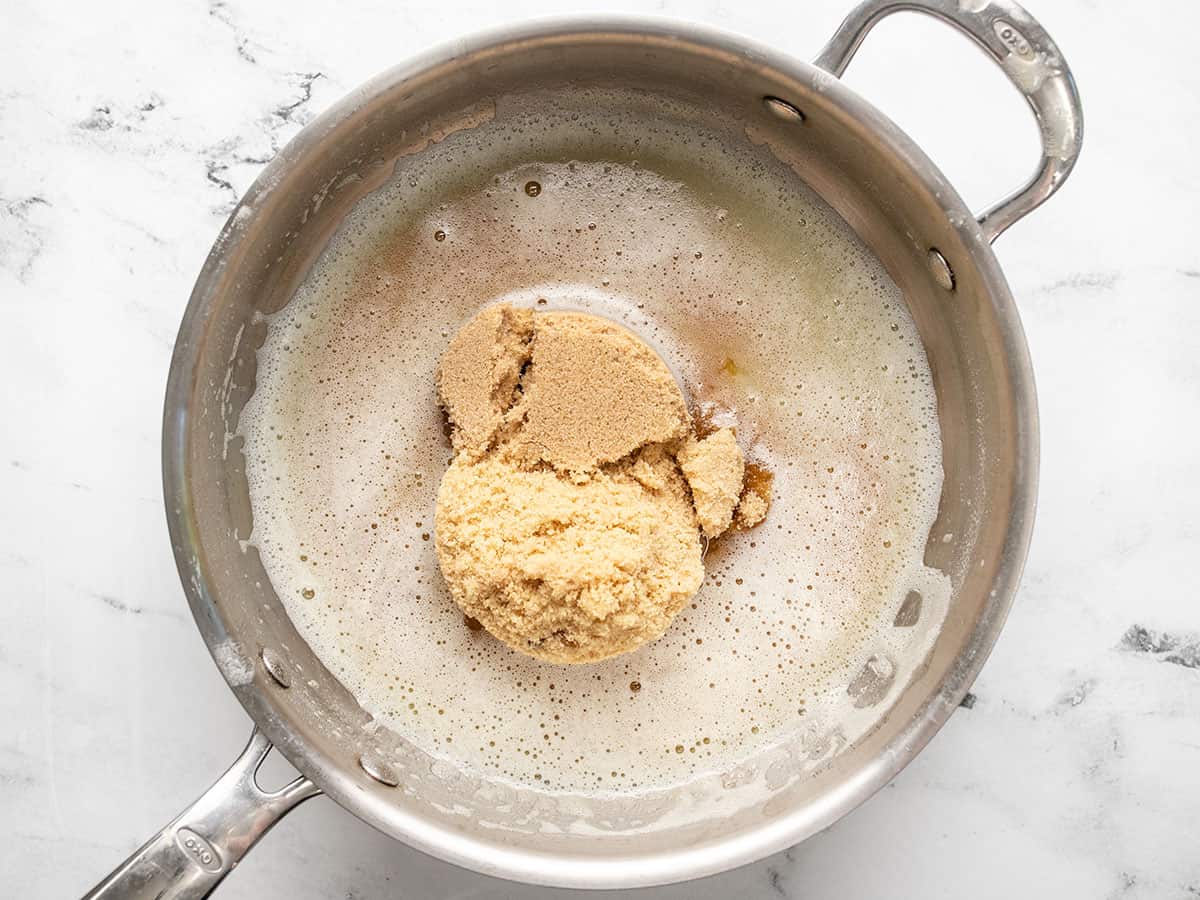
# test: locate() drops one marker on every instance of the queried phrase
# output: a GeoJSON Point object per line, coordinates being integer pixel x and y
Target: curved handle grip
{"type": "Point", "coordinates": [188, 858]}
{"type": "Point", "coordinates": [1021, 47]}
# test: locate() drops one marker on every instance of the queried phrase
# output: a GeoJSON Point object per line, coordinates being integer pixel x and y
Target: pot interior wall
{"type": "Point", "coordinates": [970, 337]}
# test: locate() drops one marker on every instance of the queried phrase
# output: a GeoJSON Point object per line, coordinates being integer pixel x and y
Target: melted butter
{"type": "Point", "coordinates": [769, 310]}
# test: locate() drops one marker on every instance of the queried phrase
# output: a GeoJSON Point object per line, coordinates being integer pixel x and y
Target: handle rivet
{"type": "Point", "coordinates": [276, 668]}
{"type": "Point", "coordinates": [783, 110]}
{"type": "Point", "coordinates": [942, 273]}
{"type": "Point", "coordinates": [379, 770]}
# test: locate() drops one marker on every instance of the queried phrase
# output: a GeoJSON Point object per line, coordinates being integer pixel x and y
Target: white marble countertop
{"type": "Point", "coordinates": [128, 129]}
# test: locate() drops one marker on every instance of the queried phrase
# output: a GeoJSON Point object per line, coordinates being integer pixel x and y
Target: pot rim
{"type": "Point", "coordinates": [560, 870]}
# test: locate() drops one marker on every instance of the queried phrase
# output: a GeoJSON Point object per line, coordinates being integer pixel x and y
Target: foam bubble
{"type": "Point", "coordinates": [768, 309]}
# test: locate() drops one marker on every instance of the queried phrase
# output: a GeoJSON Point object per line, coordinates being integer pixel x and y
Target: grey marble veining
{"type": "Point", "coordinates": [128, 130]}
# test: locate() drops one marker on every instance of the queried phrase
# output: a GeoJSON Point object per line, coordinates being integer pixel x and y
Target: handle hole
{"type": "Point", "coordinates": [950, 98]}
{"type": "Point", "coordinates": [275, 773]}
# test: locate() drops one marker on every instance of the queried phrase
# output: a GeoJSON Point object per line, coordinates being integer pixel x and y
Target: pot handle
{"type": "Point", "coordinates": [188, 858]}
{"type": "Point", "coordinates": [1021, 47]}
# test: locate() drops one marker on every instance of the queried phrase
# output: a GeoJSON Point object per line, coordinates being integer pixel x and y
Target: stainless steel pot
{"type": "Point", "coordinates": [863, 166]}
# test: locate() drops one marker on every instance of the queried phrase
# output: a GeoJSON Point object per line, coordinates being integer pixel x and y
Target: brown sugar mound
{"type": "Point", "coordinates": [755, 501]}
{"type": "Point", "coordinates": [568, 523]}
{"type": "Point", "coordinates": [479, 372]}
{"type": "Point", "coordinates": [714, 468]}
{"type": "Point", "coordinates": [594, 394]}
{"type": "Point", "coordinates": [564, 571]}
